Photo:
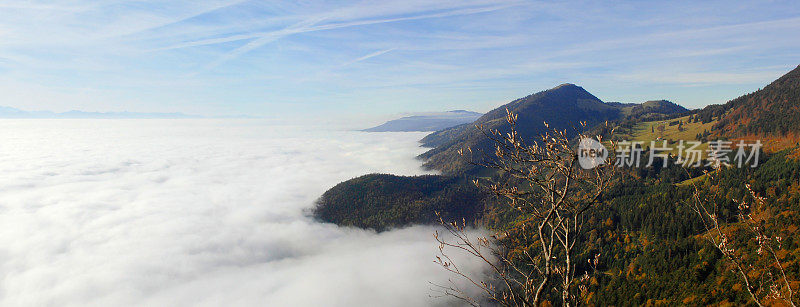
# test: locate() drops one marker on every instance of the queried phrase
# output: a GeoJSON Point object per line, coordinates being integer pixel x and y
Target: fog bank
{"type": "Point", "coordinates": [198, 212]}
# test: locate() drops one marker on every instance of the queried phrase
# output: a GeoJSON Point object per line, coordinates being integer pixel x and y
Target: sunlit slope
{"type": "Point", "coordinates": [682, 128]}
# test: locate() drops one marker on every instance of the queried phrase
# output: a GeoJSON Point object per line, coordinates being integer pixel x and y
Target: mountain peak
{"type": "Point", "coordinates": [561, 107]}
{"type": "Point", "coordinates": [566, 86]}
{"type": "Point", "coordinates": [570, 89]}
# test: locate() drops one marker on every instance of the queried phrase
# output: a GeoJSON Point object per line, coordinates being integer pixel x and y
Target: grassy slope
{"type": "Point", "coordinates": [642, 132]}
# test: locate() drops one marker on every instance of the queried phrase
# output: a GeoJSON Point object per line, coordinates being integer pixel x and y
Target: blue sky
{"type": "Point", "coordinates": [320, 58]}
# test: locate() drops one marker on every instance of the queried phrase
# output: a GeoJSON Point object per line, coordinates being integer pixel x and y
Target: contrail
{"type": "Point", "coordinates": [260, 41]}
{"type": "Point", "coordinates": [335, 26]}
{"type": "Point", "coordinates": [185, 17]}
{"type": "Point", "coordinates": [307, 26]}
{"type": "Point", "coordinates": [351, 62]}
{"type": "Point", "coordinates": [371, 55]}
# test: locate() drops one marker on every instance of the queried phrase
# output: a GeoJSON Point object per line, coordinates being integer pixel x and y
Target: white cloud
{"type": "Point", "coordinates": [198, 212]}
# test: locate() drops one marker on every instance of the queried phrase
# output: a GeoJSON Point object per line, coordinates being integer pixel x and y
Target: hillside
{"type": "Point", "coordinates": [562, 107]}
{"type": "Point", "coordinates": [657, 107]}
{"type": "Point", "coordinates": [382, 201]}
{"type": "Point", "coordinates": [771, 111]}
{"type": "Point", "coordinates": [686, 128]}
{"type": "Point", "coordinates": [648, 238]}
{"type": "Point", "coordinates": [648, 109]}
{"type": "Point", "coordinates": [427, 122]}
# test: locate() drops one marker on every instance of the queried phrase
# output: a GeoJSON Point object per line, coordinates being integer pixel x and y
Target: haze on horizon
{"type": "Point", "coordinates": [381, 57]}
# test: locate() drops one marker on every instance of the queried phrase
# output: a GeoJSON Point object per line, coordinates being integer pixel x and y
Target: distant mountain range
{"type": "Point", "coordinates": [428, 121]}
{"type": "Point", "coordinates": [9, 112]}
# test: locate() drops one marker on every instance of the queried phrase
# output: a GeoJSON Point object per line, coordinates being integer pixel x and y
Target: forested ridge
{"type": "Point", "coordinates": [383, 201]}
{"type": "Point", "coordinates": [563, 106]}
{"type": "Point", "coordinates": [773, 110]}
{"type": "Point", "coordinates": [650, 244]}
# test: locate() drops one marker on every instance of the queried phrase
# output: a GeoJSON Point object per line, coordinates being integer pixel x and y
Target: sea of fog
{"type": "Point", "coordinates": [199, 213]}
